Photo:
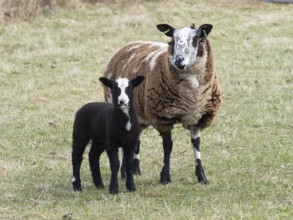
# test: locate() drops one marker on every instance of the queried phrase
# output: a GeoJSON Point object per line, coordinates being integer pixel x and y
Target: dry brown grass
{"type": "Point", "coordinates": [26, 9]}
{"type": "Point", "coordinates": [11, 9]}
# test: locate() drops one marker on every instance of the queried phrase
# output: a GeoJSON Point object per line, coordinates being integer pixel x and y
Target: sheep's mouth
{"type": "Point", "coordinates": [179, 65]}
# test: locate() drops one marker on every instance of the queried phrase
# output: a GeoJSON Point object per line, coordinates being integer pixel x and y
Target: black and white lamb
{"type": "Point", "coordinates": [109, 126]}
{"type": "Point", "coordinates": [180, 87]}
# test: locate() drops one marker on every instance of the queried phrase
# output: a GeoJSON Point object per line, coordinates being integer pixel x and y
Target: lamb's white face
{"type": "Point", "coordinates": [185, 48]}
{"type": "Point", "coordinates": [123, 97]}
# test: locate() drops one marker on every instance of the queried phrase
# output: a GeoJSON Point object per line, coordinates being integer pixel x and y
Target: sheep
{"type": "Point", "coordinates": [180, 87]}
{"type": "Point", "coordinates": [109, 126]}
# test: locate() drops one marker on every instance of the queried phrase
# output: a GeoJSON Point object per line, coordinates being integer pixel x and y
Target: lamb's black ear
{"type": "Point", "coordinates": [204, 30]}
{"type": "Point", "coordinates": [137, 81]}
{"type": "Point", "coordinates": [106, 82]}
{"type": "Point", "coordinates": [166, 29]}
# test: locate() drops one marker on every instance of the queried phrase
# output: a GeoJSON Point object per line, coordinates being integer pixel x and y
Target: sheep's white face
{"type": "Point", "coordinates": [185, 43]}
{"type": "Point", "coordinates": [185, 48]}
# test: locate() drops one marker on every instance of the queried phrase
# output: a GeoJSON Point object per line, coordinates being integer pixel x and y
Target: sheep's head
{"type": "Point", "coordinates": [122, 90]}
{"type": "Point", "coordinates": [185, 43]}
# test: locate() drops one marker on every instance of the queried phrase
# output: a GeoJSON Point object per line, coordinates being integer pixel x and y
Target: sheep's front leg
{"type": "Point", "coordinates": [167, 145]}
{"type": "Point", "coordinates": [195, 140]}
{"type": "Point", "coordinates": [136, 168]}
{"type": "Point", "coordinates": [114, 165]}
{"type": "Point", "coordinates": [129, 170]}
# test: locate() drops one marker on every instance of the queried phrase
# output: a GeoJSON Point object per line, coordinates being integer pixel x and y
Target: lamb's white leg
{"type": "Point", "coordinates": [195, 140]}
{"type": "Point", "coordinates": [135, 165]}
{"type": "Point", "coordinates": [136, 168]}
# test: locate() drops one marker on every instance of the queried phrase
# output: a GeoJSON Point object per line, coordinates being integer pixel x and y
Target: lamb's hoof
{"type": "Point", "coordinates": [131, 188]}
{"type": "Point", "coordinates": [114, 190]}
{"type": "Point", "coordinates": [77, 189]}
{"type": "Point", "coordinates": [165, 178]}
{"type": "Point", "coordinates": [201, 176]}
{"type": "Point", "coordinates": [76, 186]}
{"type": "Point", "coordinates": [135, 167]}
{"type": "Point", "coordinates": [98, 182]}
{"type": "Point", "coordinates": [100, 186]}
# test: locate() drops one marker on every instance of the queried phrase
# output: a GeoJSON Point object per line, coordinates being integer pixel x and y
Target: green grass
{"type": "Point", "coordinates": [50, 66]}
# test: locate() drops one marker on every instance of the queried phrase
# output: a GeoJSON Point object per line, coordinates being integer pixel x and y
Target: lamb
{"type": "Point", "coordinates": [109, 126]}
{"type": "Point", "coordinates": [180, 87]}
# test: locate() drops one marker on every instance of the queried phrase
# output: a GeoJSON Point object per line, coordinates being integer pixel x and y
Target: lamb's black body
{"type": "Point", "coordinates": [104, 124]}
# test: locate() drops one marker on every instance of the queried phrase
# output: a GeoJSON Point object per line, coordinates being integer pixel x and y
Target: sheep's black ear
{"type": "Point", "coordinates": [137, 81]}
{"type": "Point", "coordinates": [166, 29]}
{"type": "Point", "coordinates": [106, 82]}
{"type": "Point", "coordinates": [204, 30]}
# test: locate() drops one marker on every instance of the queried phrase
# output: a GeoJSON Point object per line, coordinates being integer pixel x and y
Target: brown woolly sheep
{"type": "Point", "coordinates": [180, 86]}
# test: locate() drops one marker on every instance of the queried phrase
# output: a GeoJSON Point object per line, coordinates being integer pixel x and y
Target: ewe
{"type": "Point", "coordinates": [180, 86]}
{"type": "Point", "coordinates": [109, 126]}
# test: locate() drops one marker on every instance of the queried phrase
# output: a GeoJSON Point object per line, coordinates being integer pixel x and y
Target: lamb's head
{"type": "Point", "coordinates": [122, 90]}
{"type": "Point", "coordinates": [185, 43]}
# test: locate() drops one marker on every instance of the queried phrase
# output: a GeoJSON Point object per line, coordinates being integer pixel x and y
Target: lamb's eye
{"type": "Point", "coordinates": [115, 90]}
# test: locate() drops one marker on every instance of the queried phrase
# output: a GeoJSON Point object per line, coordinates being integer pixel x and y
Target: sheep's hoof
{"type": "Point", "coordinates": [200, 174]}
{"type": "Point", "coordinates": [135, 167]}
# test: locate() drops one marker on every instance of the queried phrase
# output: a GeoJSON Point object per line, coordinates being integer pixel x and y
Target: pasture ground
{"type": "Point", "coordinates": [49, 67]}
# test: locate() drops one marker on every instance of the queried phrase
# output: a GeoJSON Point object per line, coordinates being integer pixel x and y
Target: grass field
{"type": "Point", "coordinates": [49, 67]}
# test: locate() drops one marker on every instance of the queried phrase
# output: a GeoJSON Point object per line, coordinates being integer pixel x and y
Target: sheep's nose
{"type": "Point", "coordinates": [178, 63]}
{"type": "Point", "coordinates": [179, 59]}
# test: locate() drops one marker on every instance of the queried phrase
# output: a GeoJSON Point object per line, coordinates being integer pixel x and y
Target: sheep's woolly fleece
{"type": "Point", "coordinates": [168, 95]}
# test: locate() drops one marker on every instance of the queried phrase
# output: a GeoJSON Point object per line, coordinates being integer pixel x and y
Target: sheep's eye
{"type": "Point", "coordinates": [195, 41]}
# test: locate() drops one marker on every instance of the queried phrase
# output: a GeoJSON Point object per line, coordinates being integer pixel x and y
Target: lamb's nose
{"type": "Point", "coordinates": [121, 102]}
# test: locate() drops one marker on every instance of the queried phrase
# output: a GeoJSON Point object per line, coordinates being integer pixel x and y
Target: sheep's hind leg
{"type": "Point", "coordinates": [195, 140]}
{"type": "Point", "coordinates": [167, 145]}
{"type": "Point", "coordinates": [135, 164]}
{"type": "Point", "coordinates": [94, 160]}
